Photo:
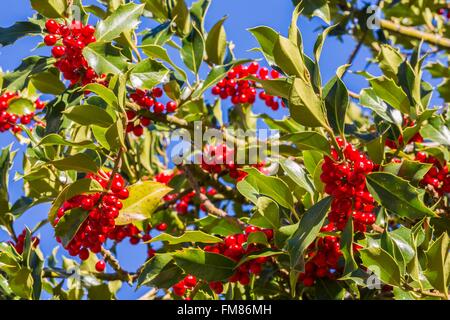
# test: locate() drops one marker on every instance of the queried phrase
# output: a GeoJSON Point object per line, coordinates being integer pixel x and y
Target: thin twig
{"type": "Point", "coordinates": [434, 39]}
{"type": "Point", "coordinates": [377, 228]}
{"type": "Point", "coordinates": [60, 273]}
{"type": "Point", "coordinates": [195, 290]}
{"type": "Point", "coordinates": [114, 263]}
{"type": "Point", "coordinates": [209, 206]}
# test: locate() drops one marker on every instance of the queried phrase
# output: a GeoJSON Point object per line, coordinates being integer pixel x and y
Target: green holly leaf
{"type": "Point", "coordinates": [192, 51]}
{"type": "Point", "coordinates": [18, 30]}
{"type": "Point", "coordinates": [104, 93]}
{"type": "Point", "coordinates": [397, 195]}
{"type": "Point", "coordinates": [158, 52]}
{"type": "Point", "coordinates": [50, 8]}
{"type": "Point", "coordinates": [87, 115]}
{"type": "Point", "coordinates": [336, 103]}
{"type": "Point", "coordinates": [438, 264]}
{"type": "Point", "coordinates": [382, 264]}
{"type": "Point", "coordinates": [307, 230]}
{"type": "Point", "coordinates": [83, 186]}
{"type": "Point", "coordinates": [266, 215]}
{"type": "Point", "coordinates": [147, 74]}
{"type": "Point", "coordinates": [216, 42]}
{"type": "Point", "coordinates": [257, 184]}
{"type": "Point", "coordinates": [6, 159]}
{"type": "Point", "coordinates": [309, 141]}
{"type": "Point", "coordinates": [205, 265]}
{"type": "Point", "coordinates": [48, 82]}
{"type": "Point", "coordinates": [266, 37]}
{"type": "Point", "coordinates": [19, 79]}
{"type": "Point", "coordinates": [69, 224]}
{"type": "Point", "coordinates": [144, 198]}
{"type": "Point", "coordinates": [160, 271]}
{"type": "Point", "coordinates": [122, 20]}
{"type": "Point", "coordinates": [21, 106]}
{"type": "Point", "coordinates": [105, 58]}
{"type": "Point", "coordinates": [391, 93]}
{"type": "Point", "coordinates": [55, 139]}
{"type": "Point", "coordinates": [305, 106]}
{"type": "Point", "coordinates": [80, 162]}
{"type": "Point", "coordinates": [188, 236]}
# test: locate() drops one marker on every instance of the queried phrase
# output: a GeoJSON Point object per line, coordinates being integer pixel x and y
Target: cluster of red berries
{"type": "Point", "coordinates": [147, 100]}
{"type": "Point", "coordinates": [416, 138]}
{"type": "Point", "coordinates": [69, 54]}
{"type": "Point", "coordinates": [21, 242]}
{"type": "Point", "coordinates": [244, 91]}
{"type": "Point", "coordinates": [345, 181]}
{"type": "Point", "coordinates": [182, 204]}
{"type": "Point", "coordinates": [188, 283]}
{"type": "Point", "coordinates": [9, 120]}
{"type": "Point", "coordinates": [233, 247]}
{"type": "Point", "coordinates": [437, 176]}
{"type": "Point", "coordinates": [219, 159]}
{"type": "Point", "coordinates": [100, 224]}
{"type": "Point", "coordinates": [322, 260]}
{"type": "Point", "coordinates": [444, 12]}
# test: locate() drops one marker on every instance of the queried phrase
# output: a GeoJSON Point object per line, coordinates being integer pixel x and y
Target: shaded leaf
{"type": "Point", "coordinates": [205, 265]}
{"type": "Point", "coordinates": [397, 195]}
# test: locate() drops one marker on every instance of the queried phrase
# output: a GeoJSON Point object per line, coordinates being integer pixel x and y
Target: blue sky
{"type": "Point", "coordinates": [241, 16]}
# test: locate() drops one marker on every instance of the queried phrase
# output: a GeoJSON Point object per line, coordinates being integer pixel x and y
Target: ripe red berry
{"type": "Point", "coordinates": [87, 203]}
{"type": "Point", "coordinates": [84, 254]}
{"type": "Point", "coordinates": [52, 26]}
{"type": "Point", "coordinates": [145, 122]}
{"type": "Point", "coordinates": [88, 31]}
{"type": "Point", "coordinates": [217, 287]}
{"type": "Point", "coordinates": [50, 40]}
{"type": "Point", "coordinates": [158, 107]}
{"type": "Point", "coordinates": [123, 194]}
{"type": "Point", "coordinates": [58, 51]}
{"type": "Point", "coordinates": [179, 289]}
{"type": "Point", "coordinates": [138, 131]}
{"type": "Point", "coordinates": [308, 282]}
{"type": "Point", "coordinates": [161, 226]}
{"type": "Point", "coordinates": [100, 266]}
{"type": "Point", "coordinates": [190, 281]}
{"type": "Point", "coordinates": [171, 106]}
{"type": "Point", "coordinates": [157, 92]}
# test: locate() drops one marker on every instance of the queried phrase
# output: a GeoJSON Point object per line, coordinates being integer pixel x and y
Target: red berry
{"type": "Point", "coordinates": [138, 131]}
{"type": "Point", "coordinates": [308, 282]}
{"type": "Point", "coordinates": [157, 92]}
{"type": "Point", "coordinates": [100, 266]}
{"type": "Point", "coordinates": [217, 287]}
{"type": "Point", "coordinates": [58, 51]}
{"type": "Point", "coordinates": [88, 31]}
{"type": "Point", "coordinates": [52, 26]}
{"type": "Point", "coordinates": [171, 106]}
{"type": "Point", "coordinates": [50, 40]}
{"type": "Point", "coordinates": [87, 203]}
{"type": "Point", "coordinates": [190, 281]}
{"type": "Point", "coordinates": [158, 107]}
{"type": "Point", "coordinates": [179, 289]}
{"type": "Point", "coordinates": [123, 194]}
{"type": "Point", "coordinates": [84, 254]}
{"type": "Point", "coordinates": [145, 122]}
{"type": "Point", "coordinates": [274, 74]}
{"type": "Point", "coordinates": [161, 226]}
